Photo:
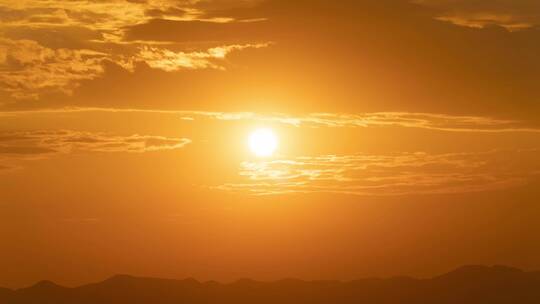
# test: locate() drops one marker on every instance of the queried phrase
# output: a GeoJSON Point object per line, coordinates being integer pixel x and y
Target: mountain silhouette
{"type": "Point", "coordinates": [469, 284]}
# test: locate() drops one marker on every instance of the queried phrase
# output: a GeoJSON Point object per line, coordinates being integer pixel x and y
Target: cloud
{"type": "Point", "coordinates": [170, 61]}
{"type": "Point", "coordinates": [430, 121]}
{"type": "Point", "coordinates": [28, 69]}
{"type": "Point", "coordinates": [510, 14]}
{"type": "Point", "coordinates": [109, 18]}
{"type": "Point", "coordinates": [32, 145]}
{"type": "Point", "coordinates": [367, 59]}
{"type": "Point", "coordinates": [389, 174]}
{"type": "Point", "coordinates": [54, 45]}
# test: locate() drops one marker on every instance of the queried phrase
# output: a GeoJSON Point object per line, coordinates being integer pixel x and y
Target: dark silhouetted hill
{"type": "Point", "coordinates": [466, 285]}
{"type": "Point", "coordinates": [5, 293]}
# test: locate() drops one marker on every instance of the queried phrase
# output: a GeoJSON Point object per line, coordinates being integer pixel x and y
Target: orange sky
{"type": "Point", "coordinates": [409, 138]}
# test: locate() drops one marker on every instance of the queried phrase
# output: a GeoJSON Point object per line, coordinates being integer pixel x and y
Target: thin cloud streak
{"type": "Point", "coordinates": [430, 121]}
{"type": "Point", "coordinates": [512, 15]}
{"type": "Point", "coordinates": [171, 61]}
{"type": "Point", "coordinates": [40, 144]}
{"type": "Point", "coordinates": [389, 174]}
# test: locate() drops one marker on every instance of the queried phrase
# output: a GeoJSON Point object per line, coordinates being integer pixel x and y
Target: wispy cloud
{"type": "Point", "coordinates": [510, 14]}
{"type": "Point", "coordinates": [430, 121]}
{"type": "Point", "coordinates": [482, 20]}
{"type": "Point", "coordinates": [28, 145]}
{"type": "Point", "coordinates": [28, 69]}
{"type": "Point", "coordinates": [440, 122]}
{"type": "Point", "coordinates": [108, 18]}
{"type": "Point", "coordinates": [53, 45]}
{"type": "Point", "coordinates": [170, 61]}
{"type": "Point", "coordinates": [388, 174]}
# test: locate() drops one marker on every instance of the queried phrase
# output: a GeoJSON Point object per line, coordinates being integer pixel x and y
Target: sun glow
{"type": "Point", "coordinates": [263, 142]}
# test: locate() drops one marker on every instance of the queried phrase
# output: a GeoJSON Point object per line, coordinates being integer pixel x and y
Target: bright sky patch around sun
{"type": "Point", "coordinates": [263, 142]}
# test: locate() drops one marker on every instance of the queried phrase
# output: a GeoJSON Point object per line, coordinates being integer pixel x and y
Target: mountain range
{"type": "Point", "coordinates": [468, 284]}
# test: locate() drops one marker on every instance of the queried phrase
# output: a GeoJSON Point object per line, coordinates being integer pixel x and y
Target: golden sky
{"type": "Point", "coordinates": [408, 138]}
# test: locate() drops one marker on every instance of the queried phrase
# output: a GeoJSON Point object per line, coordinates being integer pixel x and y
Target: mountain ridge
{"type": "Point", "coordinates": [468, 284]}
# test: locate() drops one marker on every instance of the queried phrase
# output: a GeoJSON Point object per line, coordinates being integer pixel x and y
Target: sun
{"type": "Point", "coordinates": [263, 142]}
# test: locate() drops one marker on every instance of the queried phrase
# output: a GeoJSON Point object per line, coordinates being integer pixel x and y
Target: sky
{"type": "Point", "coordinates": [408, 138]}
